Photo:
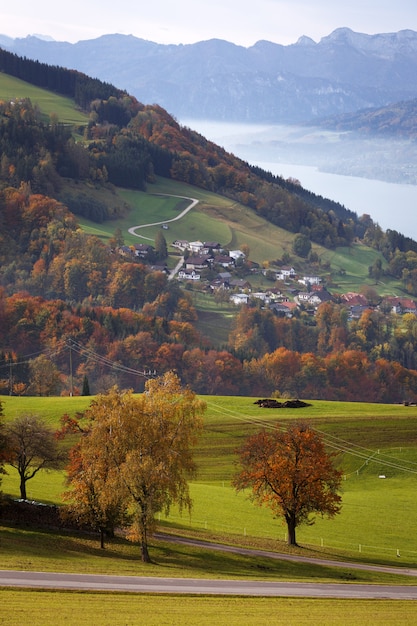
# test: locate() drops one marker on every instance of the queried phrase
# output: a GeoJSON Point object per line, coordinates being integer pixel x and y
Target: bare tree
{"type": "Point", "coordinates": [45, 379]}
{"type": "Point", "coordinates": [31, 446]}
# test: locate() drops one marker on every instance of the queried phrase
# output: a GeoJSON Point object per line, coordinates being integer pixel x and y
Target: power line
{"type": "Point", "coordinates": [72, 345]}
{"type": "Point", "coordinates": [331, 441]}
{"type": "Point", "coordinates": [103, 360]}
{"type": "Point", "coordinates": [336, 443]}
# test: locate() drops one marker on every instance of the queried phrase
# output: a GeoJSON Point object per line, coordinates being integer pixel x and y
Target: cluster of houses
{"type": "Point", "coordinates": [138, 250]}
{"type": "Point", "coordinates": [306, 292]}
{"type": "Point", "coordinates": [200, 256]}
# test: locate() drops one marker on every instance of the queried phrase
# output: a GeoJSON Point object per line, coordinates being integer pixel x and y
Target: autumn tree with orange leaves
{"type": "Point", "coordinates": [135, 453]}
{"type": "Point", "coordinates": [290, 472]}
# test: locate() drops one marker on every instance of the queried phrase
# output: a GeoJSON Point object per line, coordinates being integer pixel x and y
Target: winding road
{"type": "Point", "coordinates": [193, 201]}
{"type": "Point", "coordinates": [133, 229]}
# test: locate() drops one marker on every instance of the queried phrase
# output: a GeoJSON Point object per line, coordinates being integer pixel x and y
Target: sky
{"type": "Point", "coordinates": [243, 22]}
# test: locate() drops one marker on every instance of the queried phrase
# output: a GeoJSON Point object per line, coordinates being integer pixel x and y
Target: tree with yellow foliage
{"type": "Point", "coordinates": [138, 451]}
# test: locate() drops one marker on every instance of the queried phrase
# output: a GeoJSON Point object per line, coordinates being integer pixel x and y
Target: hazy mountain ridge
{"type": "Point", "coordinates": [395, 120]}
{"type": "Point", "coordinates": [267, 82]}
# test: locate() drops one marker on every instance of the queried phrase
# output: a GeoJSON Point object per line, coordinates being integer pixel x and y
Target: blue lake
{"type": "Point", "coordinates": [391, 205]}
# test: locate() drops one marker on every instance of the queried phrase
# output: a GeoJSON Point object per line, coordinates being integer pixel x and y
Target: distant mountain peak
{"type": "Point", "coordinates": [305, 41]}
{"type": "Point", "coordinates": [267, 82]}
{"type": "Point", "coordinates": [42, 37]}
{"type": "Point", "coordinates": [381, 44]}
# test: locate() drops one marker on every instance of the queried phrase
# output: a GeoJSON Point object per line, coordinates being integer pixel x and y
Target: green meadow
{"type": "Point", "coordinates": [120, 609]}
{"type": "Point", "coordinates": [370, 441]}
{"type": "Point", "coordinates": [49, 103]}
{"type": "Point", "coordinates": [376, 525]}
{"type": "Point", "coordinates": [217, 218]}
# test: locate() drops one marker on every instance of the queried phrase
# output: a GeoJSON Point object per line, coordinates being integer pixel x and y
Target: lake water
{"type": "Point", "coordinates": [391, 205]}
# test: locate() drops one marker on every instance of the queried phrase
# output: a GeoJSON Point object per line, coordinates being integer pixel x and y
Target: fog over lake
{"type": "Point", "coordinates": [329, 163]}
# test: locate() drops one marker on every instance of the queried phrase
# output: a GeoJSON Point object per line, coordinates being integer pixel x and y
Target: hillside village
{"type": "Point", "coordinates": [227, 275]}
{"type": "Point", "coordinates": [224, 323]}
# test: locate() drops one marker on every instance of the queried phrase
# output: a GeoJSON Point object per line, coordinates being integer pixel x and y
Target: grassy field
{"type": "Point", "coordinates": [119, 609]}
{"type": "Point", "coordinates": [214, 320]}
{"type": "Point", "coordinates": [49, 103]}
{"type": "Point", "coordinates": [217, 218]}
{"type": "Point", "coordinates": [378, 517]}
{"type": "Point", "coordinates": [349, 269]}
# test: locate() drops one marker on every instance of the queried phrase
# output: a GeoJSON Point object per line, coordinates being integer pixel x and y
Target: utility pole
{"type": "Point", "coordinates": [71, 376]}
{"type": "Point", "coordinates": [10, 376]}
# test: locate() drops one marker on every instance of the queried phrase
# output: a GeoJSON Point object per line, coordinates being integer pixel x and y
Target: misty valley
{"type": "Point", "coordinates": [367, 175]}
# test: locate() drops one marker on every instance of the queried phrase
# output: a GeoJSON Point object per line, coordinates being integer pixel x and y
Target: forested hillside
{"type": "Point", "coordinates": [72, 309]}
{"type": "Point", "coordinates": [397, 120]}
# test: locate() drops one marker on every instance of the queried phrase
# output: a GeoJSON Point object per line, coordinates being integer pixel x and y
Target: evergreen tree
{"type": "Point", "coordinates": [86, 387]}
{"type": "Point", "coordinates": [161, 246]}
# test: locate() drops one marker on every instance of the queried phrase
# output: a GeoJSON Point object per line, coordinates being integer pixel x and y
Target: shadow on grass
{"type": "Point", "coordinates": [41, 550]}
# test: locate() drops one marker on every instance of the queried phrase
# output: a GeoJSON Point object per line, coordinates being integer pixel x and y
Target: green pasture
{"type": "Point", "coordinates": [349, 269]}
{"type": "Point", "coordinates": [118, 609]}
{"type": "Point", "coordinates": [214, 320]}
{"type": "Point", "coordinates": [49, 103]}
{"type": "Point", "coordinates": [51, 408]}
{"type": "Point", "coordinates": [378, 517]}
{"type": "Point", "coordinates": [353, 259]}
{"type": "Point", "coordinates": [217, 218]}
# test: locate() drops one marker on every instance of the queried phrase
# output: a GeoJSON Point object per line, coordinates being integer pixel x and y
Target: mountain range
{"type": "Point", "coordinates": [267, 82]}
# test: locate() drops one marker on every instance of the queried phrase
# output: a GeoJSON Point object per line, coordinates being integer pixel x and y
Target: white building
{"type": "Point", "coordinates": [239, 298]}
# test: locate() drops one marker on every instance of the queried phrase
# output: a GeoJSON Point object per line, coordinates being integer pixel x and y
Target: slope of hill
{"type": "Point", "coordinates": [397, 120]}
{"type": "Point", "coordinates": [63, 290]}
{"type": "Point", "coordinates": [149, 141]}
{"type": "Point", "coordinates": [49, 103]}
{"type": "Point", "coordinates": [344, 71]}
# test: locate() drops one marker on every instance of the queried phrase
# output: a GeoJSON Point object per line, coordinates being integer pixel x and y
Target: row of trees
{"type": "Point", "coordinates": [56, 346]}
{"type": "Point", "coordinates": [375, 333]}
{"type": "Point", "coordinates": [133, 459]}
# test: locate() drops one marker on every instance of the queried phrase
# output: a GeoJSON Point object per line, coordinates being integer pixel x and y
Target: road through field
{"type": "Point", "coordinates": [133, 229]}
{"type": "Point", "coordinates": [192, 204]}
{"type": "Point", "coordinates": [383, 569]}
{"type": "Point", "coordinates": [139, 584]}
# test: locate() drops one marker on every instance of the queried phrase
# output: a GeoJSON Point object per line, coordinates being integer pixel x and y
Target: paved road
{"type": "Point", "coordinates": [138, 584]}
{"type": "Point", "coordinates": [193, 202]}
{"type": "Point", "coordinates": [133, 229]}
{"type": "Point", "coordinates": [346, 565]}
